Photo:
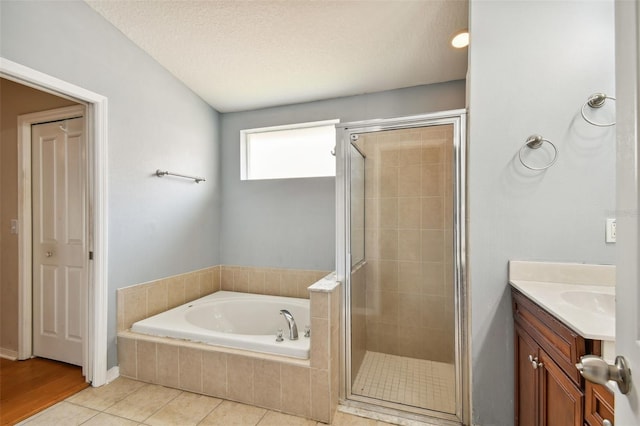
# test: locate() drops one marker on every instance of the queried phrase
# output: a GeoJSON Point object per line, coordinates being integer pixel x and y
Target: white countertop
{"type": "Point", "coordinates": [588, 324]}
{"type": "Point", "coordinates": [547, 284]}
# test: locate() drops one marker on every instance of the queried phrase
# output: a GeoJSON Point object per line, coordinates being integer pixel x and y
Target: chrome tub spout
{"type": "Point", "coordinates": [293, 328]}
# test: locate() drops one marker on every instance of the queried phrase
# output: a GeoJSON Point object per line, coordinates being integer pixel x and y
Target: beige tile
{"type": "Point", "coordinates": [409, 277]}
{"type": "Point", "coordinates": [241, 280]}
{"type": "Point", "coordinates": [388, 156]}
{"type": "Point", "coordinates": [168, 370]}
{"type": "Point", "coordinates": [127, 357]}
{"type": "Point", "coordinates": [409, 210]}
{"type": "Point", "coordinates": [319, 339]}
{"type": "Point", "coordinates": [389, 182]}
{"type": "Point", "coordinates": [267, 384]}
{"type": "Point", "coordinates": [63, 413]}
{"type": "Point", "coordinates": [344, 419]}
{"type": "Point", "coordinates": [230, 413]}
{"type": "Point", "coordinates": [175, 291]}
{"type": "Point", "coordinates": [319, 304]}
{"type": "Point", "coordinates": [147, 361]}
{"type": "Point", "coordinates": [409, 180]}
{"type": "Point", "coordinates": [410, 155]}
{"type": "Point", "coordinates": [191, 369]}
{"type": "Point", "coordinates": [273, 418]}
{"type": "Point", "coordinates": [296, 398]}
{"type": "Point", "coordinates": [388, 213]}
{"type": "Point", "coordinates": [186, 409]}
{"type": "Point", "coordinates": [320, 395]}
{"type": "Point", "coordinates": [191, 286]}
{"type": "Point", "coordinates": [256, 281]}
{"type": "Point", "coordinates": [432, 153]}
{"type": "Point", "coordinates": [240, 378]}
{"type": "Point", "coordinates": [226, 279]}
{"type": "Point", "coordinates": [272, 280]}
{"type": "Point", "coordinates": [104, 419]}
{"type": "Point", "coordinates": [135, 305]}
{"type": "Point", "coordinates": [410, 309]}
{"type": "Point", "coordinates": [432, 246]}
{"type": "Point", "coordinates": [387, 275]}
{"type": "Point", "coordinates": [389, 308]}
{"type": "Point", "coordinates": [388, 240]}
{"type": "Point", "coordinates": [205, 278]}
{"type": "Point", "coordinates": [432, 213]}
{"type": "Point", "coordinates": [157, 298]}
{"type": "Point", "coordinates": [143, 403]}
{"type": "Point", "coordinates": [120, 309]}
{"type": "Point", "coordinates": [289, 284]}
{"type": "Point", "coordinates": [103, 397]}
{"type": "Point", "coordinates": [433, 278]}
{"type": "Point", "coordinates": [409, 246]}
{"type": "Point", "coordinates": [432, 180]}
{"type": "Point", "coordinates": [216, 278]}
{"type": "Point", "coordinates": [214, 374]}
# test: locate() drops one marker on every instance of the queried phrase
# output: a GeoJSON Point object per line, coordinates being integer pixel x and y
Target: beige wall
{"type": "Point", "coordinates": [408, 234]}
{"type": "Point", "coordinates": [15, 99]}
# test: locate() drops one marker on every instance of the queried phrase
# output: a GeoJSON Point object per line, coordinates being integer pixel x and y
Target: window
{"type": "Point", "coordinates": [292, 151]}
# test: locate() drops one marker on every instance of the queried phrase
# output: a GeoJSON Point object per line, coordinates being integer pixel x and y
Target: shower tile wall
{"type": "Point", "coordinates": [408, 237]}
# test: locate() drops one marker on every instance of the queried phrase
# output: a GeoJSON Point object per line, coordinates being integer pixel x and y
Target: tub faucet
{"type": "Point", "coordinates": [293, 328]}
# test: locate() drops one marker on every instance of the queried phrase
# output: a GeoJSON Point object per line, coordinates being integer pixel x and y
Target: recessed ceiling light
{"type": "Point", "coordinates": [460, 39]}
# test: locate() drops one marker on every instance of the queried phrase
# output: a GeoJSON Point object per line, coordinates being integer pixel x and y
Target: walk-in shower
{"type": "Point", "coordinates": [400, 189]}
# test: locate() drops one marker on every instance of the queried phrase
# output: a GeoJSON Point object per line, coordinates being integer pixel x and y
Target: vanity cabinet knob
{"type": "Point", "coordinates": [606, 422]}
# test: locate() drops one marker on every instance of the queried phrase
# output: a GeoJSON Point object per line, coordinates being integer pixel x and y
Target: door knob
{"type": "Point", "coordinates": [49, 253]}
{"type": "Point", "coordinates": [596, 370]}
{"type": "Point", "coordinates": [534, 362]}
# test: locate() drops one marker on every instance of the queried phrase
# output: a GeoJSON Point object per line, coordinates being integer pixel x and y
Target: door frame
{"type": "Point", "coordinates": [95, 106]}
{"type": "Point", "coordinates": [25, 216]}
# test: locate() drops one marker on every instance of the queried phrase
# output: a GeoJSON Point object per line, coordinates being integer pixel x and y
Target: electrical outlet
{"type": "Point", "coordinates": [14, 226]}
{"type": "Point", "coordinates": [610, 231]}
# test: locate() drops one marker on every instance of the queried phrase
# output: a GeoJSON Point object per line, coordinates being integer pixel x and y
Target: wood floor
{"type": "Point", "coordinates": [28, 387]}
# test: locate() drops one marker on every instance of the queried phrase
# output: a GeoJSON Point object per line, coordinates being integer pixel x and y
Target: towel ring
{"type": "Point", "coordinates": [596, 100]}
{"type": "Point", "coordinates": [535, 142]}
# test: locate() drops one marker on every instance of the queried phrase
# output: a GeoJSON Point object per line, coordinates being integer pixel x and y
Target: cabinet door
{"type": "Point", "coordinates": [526, 379]}
{"type": "Point", "coordinates": [561, 402]}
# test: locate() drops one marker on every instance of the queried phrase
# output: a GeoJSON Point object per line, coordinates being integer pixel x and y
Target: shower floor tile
{"type": "Point", "coordinates": [416, 382]}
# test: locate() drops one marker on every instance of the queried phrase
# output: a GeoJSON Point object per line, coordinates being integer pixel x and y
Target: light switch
{"type": "Point", "coordinates": [610, 231]}
{"type": "Point", "coordinates": [14, 226]}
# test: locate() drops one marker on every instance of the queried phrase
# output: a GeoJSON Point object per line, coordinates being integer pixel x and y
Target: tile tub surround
{"type": "Point", "coordinates": [306, 388]}
{"type": "Point", "coordinates": [141, 301]}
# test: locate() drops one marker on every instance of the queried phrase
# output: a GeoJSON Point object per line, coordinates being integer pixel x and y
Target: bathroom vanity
{"type": "Point", "coordinates": [560, 316]}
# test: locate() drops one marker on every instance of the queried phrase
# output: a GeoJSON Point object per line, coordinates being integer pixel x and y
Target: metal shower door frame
{"type": "Point", "coordinates": [344, 132]}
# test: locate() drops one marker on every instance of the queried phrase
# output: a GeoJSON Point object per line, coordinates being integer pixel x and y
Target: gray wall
{"type": "Point", "coordinates": [290, 223]}
{"type": "Point", "coordinates": [157, 227]}
{"type": "Point", "coordinates": [532, 66]}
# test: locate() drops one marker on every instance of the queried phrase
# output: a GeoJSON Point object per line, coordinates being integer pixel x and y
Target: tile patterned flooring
{"type": "Point", "coordinates": [409, 381]}
{"type": "Point", "coordinates": [126, 402]}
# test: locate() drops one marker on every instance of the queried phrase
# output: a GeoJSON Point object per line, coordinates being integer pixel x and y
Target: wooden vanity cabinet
{"type": "Point", "coordinates": [549, 390]}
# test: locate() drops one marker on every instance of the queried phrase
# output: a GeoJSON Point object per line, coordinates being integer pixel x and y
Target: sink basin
{"type": "Point", "coordinates": [599, 303]}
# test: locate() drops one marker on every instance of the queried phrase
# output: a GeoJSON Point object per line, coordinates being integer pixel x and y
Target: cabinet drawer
{"type": "Point", "coordinates": [563, 345]}
{"type": "Point", "coordinates": [598, 404]}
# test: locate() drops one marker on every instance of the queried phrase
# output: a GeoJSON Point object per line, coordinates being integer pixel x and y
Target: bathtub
{"type": "Point", "coordinates": [234, 320]}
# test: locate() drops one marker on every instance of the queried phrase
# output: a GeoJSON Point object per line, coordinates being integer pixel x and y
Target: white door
{"type": "Point", "coordinates": [59, 240]}
{"type": "Point", "coordinates": [627, 406]}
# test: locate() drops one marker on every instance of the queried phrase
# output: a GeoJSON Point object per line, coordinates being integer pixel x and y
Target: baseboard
{"type": "Point", "coordinates": [112, 374]}
{"type": "Point", "coordinates": [8, 354]}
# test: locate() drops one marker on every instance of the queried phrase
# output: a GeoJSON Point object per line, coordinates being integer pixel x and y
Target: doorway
{"type": "Point", "coordinates": [95, 349]}
{"type": "Point", "coordinates": [402, 264]}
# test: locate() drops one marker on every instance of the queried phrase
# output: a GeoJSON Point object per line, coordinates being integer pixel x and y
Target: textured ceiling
{"type": "Point", "coordinates": [241, 55]}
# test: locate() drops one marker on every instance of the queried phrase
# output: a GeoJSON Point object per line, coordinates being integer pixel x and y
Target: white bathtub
{"type": "Point", "coordinates": [234, 320]}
